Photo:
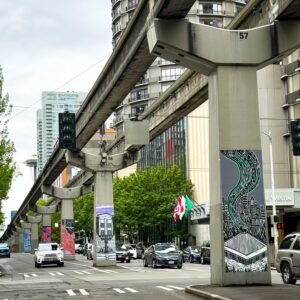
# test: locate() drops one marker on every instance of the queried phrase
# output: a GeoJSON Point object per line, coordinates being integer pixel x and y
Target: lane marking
{"type": "Point", "coordinates": [61, 274]}
{"type": "Point", "coordinates": [131, 290]}
{"type": "Point", "coordinates": [71, 293]}
{"type": "Point", "coordinates": [34, 275]}
{"type": "Point", "coordinates": [26, 275]}
{"type": "Point", "coordinates": [119, 291]}
{"type": "Point", "coordinates": [83, 292]}
{"type": "Point", "coordinates": [164, 288]}
{"type": "Point", "coordinates": [77, 272]}
{"type": "Point", "coordinates": [52, 274]}
{"type": "Point", "coordinates": [86, 272]}
{"type": "Point", "coordinates": [175, 287]}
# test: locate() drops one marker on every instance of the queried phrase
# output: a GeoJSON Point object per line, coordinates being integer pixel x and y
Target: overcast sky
{"type": "Point", "coordinates": [43, 45]}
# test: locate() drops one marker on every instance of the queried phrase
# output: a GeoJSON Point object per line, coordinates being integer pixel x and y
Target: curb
{"type": "Point", "coordinates": [205, 295]}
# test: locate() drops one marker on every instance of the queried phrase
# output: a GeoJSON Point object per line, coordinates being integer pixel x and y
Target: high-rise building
{"type": "Point", "coordinates": [47, 120]}
{"type": "Point", "coordinates": [182, 143]}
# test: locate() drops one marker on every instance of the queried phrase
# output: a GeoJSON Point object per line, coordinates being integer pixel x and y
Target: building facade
{"type": "Point", "coordinates": [47, 121]}
{"type": "Point", "coordinates": [185, 143]}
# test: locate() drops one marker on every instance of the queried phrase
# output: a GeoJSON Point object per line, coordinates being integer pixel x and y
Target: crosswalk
{"type": "Point", "coordinates": [83, 292]}
{"type": "Point", "coordinates": [93, 271]}
{"type": "Point", "coordinates": [168, 288]}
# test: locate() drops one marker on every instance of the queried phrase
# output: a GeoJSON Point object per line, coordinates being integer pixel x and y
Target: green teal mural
{"type": "Point", "coordinates": [244, 214]}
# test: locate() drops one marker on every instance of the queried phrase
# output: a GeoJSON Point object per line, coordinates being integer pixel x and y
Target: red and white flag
{"type": "Point", "coordinates": [179, 209]}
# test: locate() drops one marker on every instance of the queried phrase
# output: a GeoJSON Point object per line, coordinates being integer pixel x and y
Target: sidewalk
{"type": "Point", "coordinates": [270, 292]}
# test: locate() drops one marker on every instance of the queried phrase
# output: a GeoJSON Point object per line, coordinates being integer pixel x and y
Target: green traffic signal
{"type": "Point", "coordinates": [295, 134]}
{"type": "Point", "coordinates": [67, 131]}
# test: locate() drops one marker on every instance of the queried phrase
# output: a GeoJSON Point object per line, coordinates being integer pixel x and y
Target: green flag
{"type": "Point", "coordinates": [188, 205]}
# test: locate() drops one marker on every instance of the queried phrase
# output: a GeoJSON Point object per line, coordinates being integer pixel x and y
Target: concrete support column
{"type": "Point", "coordinates": [16, 245]}
{"type": "Point", "coordinates": [21, 240]}
{"type": "Point", "coordinates": [46, 212]}
{"type": "Point", "coordinates": [34, 221]}
{"type": "Point", "coordinates": [238, 225]}
{"type": "Point", "coordinates": [104, 236]}
{"type": "Point", "coordinates": [67, 235]}
{"type": "Point", "coordinates": [26, 237]}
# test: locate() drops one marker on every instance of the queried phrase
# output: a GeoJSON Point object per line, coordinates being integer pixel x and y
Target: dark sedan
{"type": "Point", "coordinates": [163, 254]}
{"type": "Point", "coordinates": [205, 252]}
{"type": "Point", "coordinates": [192, 254]}
{"type": "Point", "coordinates": [4, 250]}
{"type": "Point", "coordinates": [122, 254]}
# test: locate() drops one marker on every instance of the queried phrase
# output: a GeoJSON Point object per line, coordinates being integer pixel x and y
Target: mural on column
{"type": "Point", "coordinates": [27, 241]}
{"type": "Point", "coordinates": [244, 213]}
{"type": "Point", "coordinates": [68, 236]}
{"type": "Point", "coordinates": [105, 236]}
{"type": "Point", "coordinates": [46, 235]}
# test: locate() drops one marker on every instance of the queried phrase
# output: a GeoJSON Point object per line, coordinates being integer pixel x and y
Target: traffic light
{"type": "Point", "coordinates": [280, 225]}
{"type": "Point", "coordinates": [295, 132]}
{"type": "Point", "coordinates": [67, 131]}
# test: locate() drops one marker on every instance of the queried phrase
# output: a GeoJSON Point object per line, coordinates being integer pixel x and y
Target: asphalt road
{"type": "Point", "coordinates": [80, 280]}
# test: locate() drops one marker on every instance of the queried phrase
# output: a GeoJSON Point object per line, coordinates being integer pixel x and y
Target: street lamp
{"type": "Point", "coordinates": [273, 193]}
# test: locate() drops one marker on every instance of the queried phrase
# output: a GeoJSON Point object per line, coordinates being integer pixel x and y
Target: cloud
{"type": "Point", "coordinates": [42, 47]}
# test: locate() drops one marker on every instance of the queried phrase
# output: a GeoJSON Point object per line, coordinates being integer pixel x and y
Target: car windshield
{"type": "Point", "coordinates": [48, 247]}
{"type": "Point", "coordinates": [120, 248]}
{"type": "Point", "coordinates": [165, 248]}
{"type": "Point", "coordinates": [3, 246]}
{"type": "Point", "coordinates": [196, 249]}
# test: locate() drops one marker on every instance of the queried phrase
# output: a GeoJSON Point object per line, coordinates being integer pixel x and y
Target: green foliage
{"type": "Point", "coordinates": [146, 198]}
{"type": "Point", "coordinates": [84, 214]}
{"type": "Point", "coordinates": [55, 218]}
{"type": "Point", "coordinates": [7, 166]}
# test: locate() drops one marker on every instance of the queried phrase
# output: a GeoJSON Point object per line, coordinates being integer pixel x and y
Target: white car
{"type": "Point", "coordinates": [48, 254]}
{"type": "Point", "coordinates": [132, 250]}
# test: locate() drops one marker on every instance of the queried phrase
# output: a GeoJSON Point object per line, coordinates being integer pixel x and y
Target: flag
{"type": "Point", "coordinates": [179, 209]}
{"type": "Point", "coordinates": [188, 205]}
{"type": "Point", "coordinates": [183, 205]}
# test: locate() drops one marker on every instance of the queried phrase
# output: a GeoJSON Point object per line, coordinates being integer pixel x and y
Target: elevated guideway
{"type": "Point", "coordinates": [126, 65]}
{"type": "Point", "coordinates": [128, 62]}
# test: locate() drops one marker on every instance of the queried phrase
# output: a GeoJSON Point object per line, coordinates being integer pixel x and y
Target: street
{"type": "Point", "coordinates": [79, 279]}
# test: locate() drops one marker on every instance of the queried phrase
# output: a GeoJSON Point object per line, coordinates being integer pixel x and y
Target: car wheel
{"type": "Point", "coordinates": [145, 262]}
{"type": "Point", "coordinates": [179, 266]}
{"type": "Point", "coordinates": [154, 264]}
{"type": "Point", "coordinates": [128, 261]}
{"type": "Point", "coordinates": [8, 255]}
{"type": "Point", "coordinates": [202, 260]}
{"type": "Point", "coordinates": [122, 260]}
{"type": "Point", "coordinates": [36, 264]}
{"type": "Point", "coordinates": [191, 259]}
{"type": "Point", "coordinates": [286, 274]}
{"type": "Point", "coordinates": [61, 264]}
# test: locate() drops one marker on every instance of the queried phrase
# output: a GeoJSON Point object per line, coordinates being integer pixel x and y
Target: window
{"type": "Point", "coordinates": [211, 8]}
{"type": "Point", "coordinates": [165, 86]}
{"type": "Point", "coordinates": [172, 73]}
{"type": "Point", "coordinates": [286, 243]}
{"type": "Point", "coordinates": [132, 4]}
{"type": "Point", "coordinates": [297, 244]}
{"type": "Point", "coordinates": [212, 22]}
{"type": "Point", "coordinates": [139, 94]}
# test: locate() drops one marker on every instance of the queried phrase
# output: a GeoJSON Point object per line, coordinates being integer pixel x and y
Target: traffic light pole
{"type": "Point", "coordinates": [238, 227]}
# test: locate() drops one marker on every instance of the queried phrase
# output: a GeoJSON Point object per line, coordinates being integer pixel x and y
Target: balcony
{"type": "Point", "coordinates": [211, 12]}
{"type": "Point", "coordinates": [143, 81]}
{"type": "Point", "coordinates": [118, 120]}
{"type": "Point", "coordinates": [137, 98]}
{"type": "Point", "coordinates": [132, 5]}
{"type": "Point", "coordinates": [169, 77]}
{"type": "Point", "coordinates": [293, 98]}
{"type": "Point", "coordinates": [115, 15]}
{"type": "Point", "coordinates": [114, 3]}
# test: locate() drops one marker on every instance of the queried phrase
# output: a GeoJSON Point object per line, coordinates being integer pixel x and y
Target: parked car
{"type": "Point", "coordinates": [48, 254]}
{"type": "Point", "coordinates": [78, 248]}
{"type": "Point", "coordinates": [132, 249]}
{"type": "Point", "coordinates": [205, 253]}
{"type": "Point", "coordinates": [90, 251]}
{"type": "Point", "coordinates": [163, 254]}
{"type": "Point", "coordinates": [288, 258]}
{"type": "Point", "coordinates": [192, 254]}
{"type": "Point", "coordinates": [122, 254]}
{"type": "Point", "coordinates": [4, 250]}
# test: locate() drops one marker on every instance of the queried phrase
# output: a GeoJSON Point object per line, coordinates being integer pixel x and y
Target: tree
{"type": "Point", "coordinates": [84, 214]}
{"type": "Point", "coordinates": [146, 199]}
{"type": "Point", "coordinates": [7, 166]}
